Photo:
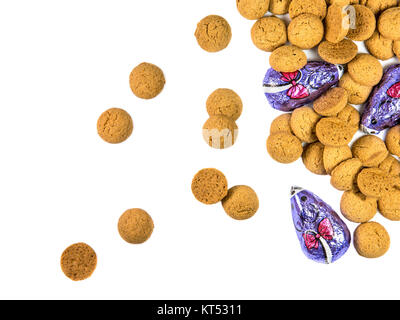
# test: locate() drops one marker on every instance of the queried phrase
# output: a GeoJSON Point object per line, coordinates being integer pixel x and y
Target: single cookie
{"type": "Point", "coordinates": [279, 6]}
{"type": "Point", "coordinates": [303, 122]}
{"type": "Point", "coordinates": [331, 102]}
{"type": "Point", "coordinates": [338, 53]}
{"type": "Point", "coordinates": [315, 7]}
{"type": "Point", "coordinates": [146, 81]}
{"type": "Point", "coordinates": [358, 208]}
{"type": "Point", "coordinates": [371, 240]}
{"type": "Point", "coordinates": [224, 102]}
{"type": "Point", "coordinates": [396, 48]}
{"type": "Point", "coordinates": [365, 70]}
{"type": "Point", "coordinates": [337, 24]}
{"type": "Point", "coordinates": [393, 140]}
{"type": "Point", "coordinates": [241, 203]}
{"type": "Point", "coordinates": [313, 158]}
{"type": "Point", "coordinates": [333, 156]}
{"type": "Point", "coordinates": [391, 166]}
{"type": "Point", "coordinates": [365, 24]}
{"type": "Point", "coordinates": [380, 47]}
{"type": "Point", "coordinates": [344, 176]}
{"type": "Point", "coordinates": [389, 205]}
{"type": "Point", "coordinates": [269, 33]}
{"type": "Point", "coordinates": [284, 147]}
{"type": "Point", "coordinates": [305, 31]}
{"type": "Point", "coordinates": [281, 124]}
{"type": "Point", "coordinates": [378, 6]}
{"type": "Point", "coordinates": [115, 125]}
{"type": "Point", "coordinates": [389, 23]}
{"type": "Point", "coordinates": [252, 9]}
{"type": "Point", "coordinates": [135, 226]}
{"type": "Point", "coordinates": [209, 186]}
{"type": "Point", "coordinates": [351, 116]}
{"type": "Point", "coordinates": [371, 150]}
{"type": "Point", "coordinates": [78, 261]}
{"type": "Point", "coordinates": [334, 132]}
{"type": "Point", "coordinates": [213, 33]}
{"type": "Point", "coordinates": [357, 93]}
{"type": "Point", "coordinates": [287, 59]}
{"type": "Point", "coordinates": [220, 132]}
{"type": "Point", "coordinates": [376, 183]}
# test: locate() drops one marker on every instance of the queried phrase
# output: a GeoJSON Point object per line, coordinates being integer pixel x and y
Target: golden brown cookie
{"type": "Point", "coordinates": [337, 24]}
{"type": "Point", "coordinates": [213, 33]}
{"type": "Point", "coordinates": [241, 203]}
{"type": "Point", "coordinates": [365, 24]}
{"type": "Point", "coordinates": [380, 47]}
{"type": "Point", "coordinates": [146, 81]}
{"type": "Point", "coordinates": [281, 124]}
{"type": "Point", "coordinates": [115, 125]}
{"type": "Point", "coordinates": [341, 3]}
{"type": "Point", "coordinates": [351, 116]}
{"type": "Point", "coordinates": [378, 6]}
{"type": "Point", "coordinates": [371, 150]}
{"type": "Point", "coordinates": [344, 176]}
{"type": "Point", "coordinates": [209, 186]}
{"type": "Point", "coordinates": [331, 102]}
{"type": "Point", "coordinates": [389, 205]}
{"type": "Point", "coordinates": [224, 102]}
{"type": "Point", "coordinates": [389, 23]}
{"type": "Point", "coordinates": [252, 9]}
{"type": "Point", "coordinates": [396, 48]}
{"type": "Point", "coordinates": [393, 140]}
{"type": "Point", "coordinates": [313, 158]}
{"type": "Point", "coordinates": [358, 93]}
{"type": "Point", "coordinates": [135, 226]}
{"type": "Point", "coordinates": [78, 261]}
{"type": "Point", "coordinates": [333, 156]}
{"type": "Point", "coordinates": [220, 132]}
{"type": "Point", "coordinates": [391, 166]}
{"type": "Point", "coordinates": [376, 183]}
{"type": "Point", "coordinates": [284, 147]}
{"type": "Point", "coordinates": [305, 31]}
{"type": "Point", "coordinates": [338, 53]}
{"type": "Point", "coordinates": [315, 7]}
{"type": "Point", "coordinates": [303, 122]}
{"type": "Point", "coordinates": [279, 6]}
{"type": "Point", "coordinates": [365, 70]}
{"type": "Point", "coordinates": [287, 59]}
{"type": "Point", "coordinates": [358, 208]}
{"type": "Point", "coordinates": [371, 240]}
{"type": "Point", "coordinates": [269, 33]}
{"type": "Point", "coordinates": [334, 132]}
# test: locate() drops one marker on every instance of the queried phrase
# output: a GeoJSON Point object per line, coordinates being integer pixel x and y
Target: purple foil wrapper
{"type": "Point", "coordinates": [323, 236]}
{"type": "Point", "coordinates": [382, 110]}
{"type": "Point", "coordinates": [289, 91]}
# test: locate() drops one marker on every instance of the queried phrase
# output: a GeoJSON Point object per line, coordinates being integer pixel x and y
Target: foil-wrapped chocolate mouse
{"type": "Point", "coordinates": [292, 90]}
{"type": "Point", "coordinates": [323, 236]}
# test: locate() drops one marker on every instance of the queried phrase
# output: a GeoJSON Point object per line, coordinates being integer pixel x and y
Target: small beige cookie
{"type": "Point", "coordinates": [146, 81]}
{"type": "Point", "coordinates": [393, 140]}
{"type": "Point", "coordinates": [213, 33]}
{"type": "Point", "coordinates": [220, 132]}
{"type": "Point", "coordinates": [389, 205]}
{"type": "Point", "coordinates": [114, 125]}
{"type": "Point", "coordinates": [240, 203]}
{"type": "Point", "coordinates": [303, 122]}
{"type": "Point", "coordinates": [371, 150]}
{"type": "Point", "coordinates": [344, 176]}
{"type": "Point", "coordinates": [365, 24]}
{"type": "Point", "coordinates": [391, 166]}
{"type": "Point", "coordinates": [380, 47]}
{"type": "Point", "coordinates": [365, 70]}
{"type": "Point", "coordinates": [306, 31]}
{"type": "Point", "coordinates": [225, 102]}
{"type": "Point", "coordinates": [358, 93]}
{"type": "Point", "coordinates": [389, 23]}
{"type": "Point", "coordinates": [313, 158]}
{"type": "Point", "coordinates": [338, 53]}
{"type": "Point", "coordinates": [333, 156]}
{"type": "Point", "coordinates": [334, 132]}
{"type": "Point", "coordinates": [371, 240]}
{"type": "Point", "coordinates": [135, 226]}
{"type": "Point", "coordinates": [331, 102]}
{"type": "Point", "coordinates": [279, 6]}
{"type": "Point", "coordinates": [315, 7]}
{"type": "Point", "coordinates": [358, 208]}
{"type": "Point", "coordinates": [252, 9]}
{"type": "Point", "coordinates": [209, 186]}
{"type": "Point", "coordinates": [281, 124]}
{"type": "Point", "coordinates": [337, 24]}
{"type": "Point", "coordinates": [269, 33]}
{"type": "Point", "coordinates": [284, 147]}
{"type": "Point", "coordinates": [287, 59]}
{"type": "Point", "coordinates": [376, 183]}
{"type": "Point", "coordinates": [351, 116]}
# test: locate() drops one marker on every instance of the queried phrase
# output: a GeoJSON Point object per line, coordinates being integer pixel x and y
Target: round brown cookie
{"type": "Point", "coordinates": [344, 176]}
{"type": "Point", "coordinates": [224, 102]}
{"type": "Point", "coordinates": [389, 23]}
{"type": "Point", "coordinates": [358, 208]}
{"type": "Point", "coordinates": [284, 147]}
{"type": "Point", "coordinates": [338, 53]}
{"type": "Point", "coordinates": [337, 24]}
{"type": "Point", "coordinates": [135, 226]}
{"type": "Point", "coordinates": [333, 156]}
{"type": "Point", "coordinates": [396, 48]}
{"type": "Point", "coordinates": [115, 125]}
{"type": "Point", "coordinates": [371, 150]}
{"type": "Point", "coordinates": [341, 3]}
{"type": "Point", "coordinates": [378, 6]}
{"type": "Point", "coordinates": [376, 183]}
{"type": "Point", "coordinates": [303, 122]}
{"type": "Point", "coordinates": [351, 116]}
{"type": "Point", "coordinates": [281, 124]}
{"type": "Point", "coordinates": [371, 240]}
{"type": "Point", "coordinates": [78, 261]}
{"type": "Point", "coordinates": [389, 205]}
{"type": "Point", "coordinates": [287, 59]}
{"type": "Point", "coordinates": [220, 132]}
{"type": "Point", "coordinates": [252, 9]}
{"type": "Point", "coordinates": [279, 6]}
{"type": "Point", "coordinates": [380, 47]}
{"type": "Point", "coordinates": [358, 93]}
{"type": "Point", "coordinates": [241, 203]}
{"type": "Point", "coordinates": [315, 7]}
{"type": "Point", "coordinates": [209, 186]}
{"type": "Point", "coordinates": [393, 140]}
{"type": "Point", "coordinates": [334, 132]}
{"type": "Point", "coordinates": [213, 33]}
{"type": "Point", "coordinates": [391, 166]}
{"type": "Point", "coordinates": [313, 158]}
{"type": "Point", "coordinates": [269, 33]}
{"type": "Point", "coordinates": [146, 81]}
{"type": "Point", "coordinates": [365, 69]}
{"type": "Point", "coordinates": [331, 102]}
{"type": "Point", "coordinates": [365, 24]}
{"type": "Point", "coordinates": [306, 31]}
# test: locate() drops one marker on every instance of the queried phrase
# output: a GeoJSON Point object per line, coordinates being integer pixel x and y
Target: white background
{"type": "Point", "coordinates": [64, 63]}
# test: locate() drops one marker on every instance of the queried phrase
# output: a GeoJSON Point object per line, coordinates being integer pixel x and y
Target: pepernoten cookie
{"type": "Point", "coordinates": [315, 7]}
{"type": "Point", "coordinates": [391, 166]}
{"type": "Point", "coordinates": [114, 125]}
{"type": "Point", "coordinates": [279, 6]}
{"type": "Point", "coordinates": [269, 33]}
{"type": "Point", "coordinates": [220, 132]}
{"type": "Point", "coordinates": [378, 6]}
{"type": "Point", "coordinates": [365, 70]}
{"type": "Point", "coordinates": [213, 33]}
{"type": "Point", "coordinates": [331, 102]}
{"type": "Point", "coordinates": [284, 147]}
{"type": "Point", "coordinates": [225, 102]}
{"type": "Point", "coordinates": [371, 240]}
{"type": "Point", "coordinates": [344, 176]}
{"type": "Point", "coordinates": [376, 183]}
{"type": "Point", "coordinates": [209, 186]}
{"type": "Point", "coordinates": [252, 9]}
{"type": "Point", "coordinates": [337, 24]}
{"type": "Point", "coordinates": [365, 24]}
{"type": "Point", "coordinates": [389, 23]}
{"type": "Point", "coordinates": [334, 132]}
{"type": "Point", "coordinates": [338, 53]}
{"type": "Point", "coordinates": [393, 140]}
{"type": "Point", "coordinates": [358, 208]}
{"type": "Point", "coordinates": [358, 93]}
{"type": "Point", "coordinates": [287, 59]}
{"type": "Point", "coordinates": [306, 31]}
{"type": "Point", "coordinates": [241, 203]}
{"type": "Point", "coordinates": [389, 205]}
{"type": "Point", "coordinates": [146, 81]}
{"type": "Point", "coordinates": [281, 124]}
{"type": "Point", "coordinates": [313, 158]}
{"type": "Point", "coordinates": [351, 116]}
{"type": "Point", "coordinates": [380, 47]}
{"type": "Point", "coordinates": [78, 261]}
{"type": "Point", "coordinates": [333, 156]}
{"type": "Point", "coordinates": [135, 226]}
{"type": "Point", "coordinates": [303, 122]}
{"type": "Point", "coordinates": [371, 150]}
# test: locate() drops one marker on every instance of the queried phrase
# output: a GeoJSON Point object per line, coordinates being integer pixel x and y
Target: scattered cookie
{"type": "Point", "coordinates": [365, 70]}
{"type": "Point", "coordinates": [389, 23]}
{"type": "Point", "coordinates": [281, 124]}
{"type": "Point", "coordinates": [146, 81]}
{"type": "Point", "coordinates": [115, 125]}
{"type": "Point", "coordinates": [371, 240]}
{"type": "Point", "coordinates": [313, 158]}
{"type": "Point", "coordinates": [220, 132]}
{"type": "Point", "coordinates": [135, 226]}
{"type": "Point", "coordinates": [252, 9]}
{"type": "Point", "coordinates": [338, 53]}
{"type": "Point", "coordinates": [306, 31]}
{"type": "Point", "coordinates": [224, 102]}
{"type": "Point", "coordinates": [213, 33]}
{"type": "Point", "coordinates": [331, 102]}
{"type": "Point", "coordinates": [337, 24]}
{"type": "Point", "coordinates": [365, 24]}
{"type": "Point", "coordinates": [380, 47]}
{"type": "Point", "coordinates": [391, 166]}
{"type": "Point", "coordinates": [279, 6]}
{"type": "Point", "coordinates": [396, 48]}
{"type": "Point", "coordinates": [284, 147]}
{"type": "Point", "coordinates": [209, 186]}
{"type": "Point", "coordinates": [371, 150]}
{"type": "Point", "coordinates": [378, 6]}
{"type": "Point", "coordinates": [269, 33]}
{"type": "Point", "coordinates": [303, 122]}
{"type": "Point", "coordinates": [344, 176]}
{"type": "Point", "coordinates": [358, 94]}
{"type": "Point", "coordinates": [241, 203]}
{"type": "Point", "coordinates": [389, 205]}
{"type": "Point", "coordinates": [334, 132]}
{"type": "Point", "coordinates": [78, 261]}
{"type": "Point", "coordinates": [358, 208]}
{"type": "Point", "coordinates": [315, 7]}
{"type": "Point", "coordinates": [333, 156]}
{"type": "Point", "coordinates": [393, 140]}
{"type": "Point", "coordinates": [376, 183]}
{"type": "Point", "coordinates": [351, 116]}
{"type": "Point", "coordinates": [287, 59]}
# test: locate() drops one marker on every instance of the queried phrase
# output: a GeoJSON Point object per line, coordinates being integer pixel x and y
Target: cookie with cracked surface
{"type": "Point", "coordinates": [241, 203]}
{"type": "Point", "coordinates": [351, 116]}
{"type": "Point", "coordinates": [146, 81]}
{"type": "Point", "coordinates": [313, 158]}
{"type": "Point", "coordinates": [281, 124]}
{"type": "Point", "coordinates": [371, 150]}
{"type": "Point", "coordinates": [338, 53]}
{"type": "Point", "coordinates": [331, 102]}
{"type": "Point", "coordinates": [224, 102]}
{"type": "Point", "coordinates": [371, 240]}
{"type": "Point", "coordinates": [213, 33]}
{"type": "Point", "coordinates": [391, 166]}
{"type": "Point", "coordinates": [358, 208]}
{"type": "Point", "coordinates": [380, 47]}
{"type": "Point", "coordinates": [333, 156]}
{"type": "Point", "coordinates": [376, 183]}
{"type": "Point", "coordinates": [303, 122]}
{"type": "Point", "coordinates": [344, 176]}
{"type": "Point", "coordinates": [252, 9]}
{"type": "Point", "coordinates": [287, 59]}
{"type": "Point", "coordinates": [209, 186]}
{"type": "Point", "coordinates": [269, 33]}
{"type": "Point", "coordinates": [315, 7]}
{"type": "Point", "coordinates": [135, 226]}
{"type": "Point", "coordinates": [365, 69]}
{"type": "Point", "coordinates": [284, 147]}
{"type": "Point", "coordinates": [358, 94]}
{"type": "Point", "coordinates": [306, 31]}
{"type": "Point", "coordinates": [114, 125]}
{"type": "Point", "coordinates": [389, 205]}
{"type": "Point", "coordinates": [334, 132]}
{"type": "Point", "coordinates": [365, 23]}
